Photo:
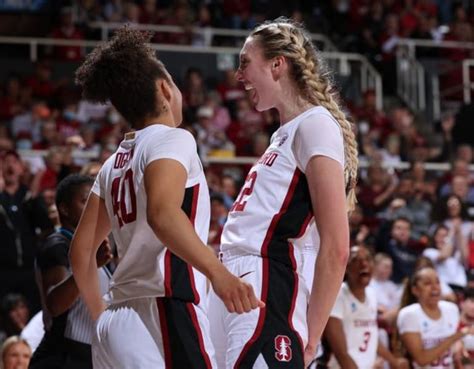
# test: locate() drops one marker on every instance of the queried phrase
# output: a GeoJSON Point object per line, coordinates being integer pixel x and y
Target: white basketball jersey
{"type": "Point", "coordinates": [359, 321]}
{"type": "Point", "coordinates": [273, 210]}
{"type": "Point", "coordinates": [413, 319]}
{"type": "Point", "coordinates": [146, 267]}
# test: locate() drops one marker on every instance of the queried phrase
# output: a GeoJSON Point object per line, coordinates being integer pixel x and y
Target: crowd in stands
{"type": "Point", "coordinates": [402, 217]}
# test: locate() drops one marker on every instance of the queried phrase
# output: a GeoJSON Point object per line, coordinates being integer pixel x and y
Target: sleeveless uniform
{"type": "Point", "coordinates": [263, 241]}
{"type": "Point", "coordinates": [155, 317]}
{"type": "Point", "coordinates": [412, 319]}
{"type": "Point", "coordinates": [359, 322]}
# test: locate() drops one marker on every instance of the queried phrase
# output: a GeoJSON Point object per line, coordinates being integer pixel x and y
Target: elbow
{"type": "Point", "coordinates": [156, 221]}
{"type": "Point", "coordinates": [340, 247]}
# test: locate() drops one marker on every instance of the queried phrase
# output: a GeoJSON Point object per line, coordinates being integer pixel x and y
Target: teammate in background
{"type": "Point", "coordinates": [150, 193]}
{"type": "Point", "coordinates": [352, 331]}
{"type": "Point", "coordinates": [68, 326]}
{"type": "Point", "coordinates": [301, 178]}
{"type": "Point", "coordinates": [465, 358]}
{"type": "Point", "coordinates": [427, 325]}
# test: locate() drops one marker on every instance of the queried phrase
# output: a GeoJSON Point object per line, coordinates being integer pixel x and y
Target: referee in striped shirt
{"type": "Point", "coordinates": [68, 326]}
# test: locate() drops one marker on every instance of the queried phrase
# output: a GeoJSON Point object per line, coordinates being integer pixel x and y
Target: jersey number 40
{"type": "Point", "coordinates": [123, 190]}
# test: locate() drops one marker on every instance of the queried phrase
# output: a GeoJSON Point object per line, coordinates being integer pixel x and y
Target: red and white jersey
{"type": "Point", "coordinates": [359, 321]}
{"type": "Point", "coordinates": [147, 268]}
{"type": "Point", "coordinates": [412, 319]}
{"type": "Point", "coordinates": [273, 210]}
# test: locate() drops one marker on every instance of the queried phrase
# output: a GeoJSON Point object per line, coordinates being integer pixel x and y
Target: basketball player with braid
{"type": "Point", "coordinates": [303, 177]}
{"type": "Point", "coordinates": [152, 194]}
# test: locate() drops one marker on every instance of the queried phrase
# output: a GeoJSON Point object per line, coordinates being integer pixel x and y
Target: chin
{"type": "Point", "coordinates": [261, 108]}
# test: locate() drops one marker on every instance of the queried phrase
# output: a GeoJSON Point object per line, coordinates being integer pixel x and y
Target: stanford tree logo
{"type": "Point", "coordinates": [283, 348]}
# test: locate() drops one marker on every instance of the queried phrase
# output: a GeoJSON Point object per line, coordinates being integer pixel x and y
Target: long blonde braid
{"type": "Point", "coordinates": [281, 37]}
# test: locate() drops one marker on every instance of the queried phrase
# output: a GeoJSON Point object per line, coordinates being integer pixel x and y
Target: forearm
{"type": "Point", "coordinates": [84, 267]}
{"type": "Point", "coordinates": [427, 356]}
{"type": "Point", "coordinates": [174, 229]}
{"type": "Point", "coordinates": [384, 353]}
{"type": "Point", "coordinates": [328, 276]}
{"type": "Point", "coordinates": [62, 296]}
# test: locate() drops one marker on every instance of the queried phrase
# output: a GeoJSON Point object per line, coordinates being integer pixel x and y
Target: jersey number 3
{"type": "Point", "coordinates": [365, 343]}
{"type": "Point", "coordinates": [123, 195]}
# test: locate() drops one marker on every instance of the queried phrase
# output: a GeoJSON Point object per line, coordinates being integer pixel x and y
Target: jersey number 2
{"type": "Point", "coordinates": [121, 191]}
{"type": "Point", "coordinates": [239, 204]}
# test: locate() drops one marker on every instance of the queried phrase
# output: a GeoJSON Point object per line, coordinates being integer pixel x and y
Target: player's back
{"type": "Point", "coordinates": [146, 268]}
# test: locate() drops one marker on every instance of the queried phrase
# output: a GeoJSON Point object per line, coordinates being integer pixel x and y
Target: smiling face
{"type": "Point", "coordinates": [255, 74]}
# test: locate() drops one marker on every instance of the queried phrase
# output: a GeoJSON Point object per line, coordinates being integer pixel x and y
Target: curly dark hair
{"type": "Point", "coordinates": [123, 70]}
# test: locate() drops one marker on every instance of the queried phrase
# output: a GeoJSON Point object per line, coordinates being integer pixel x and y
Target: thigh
{"type": "Point", "coordinates": [124, 339]}
{"type": "Point", "coordinates": [218, 333]}
{"type": "Point", "coordinates": [273, 337]}
{"type": "Point", "coordinates": [186, 338]}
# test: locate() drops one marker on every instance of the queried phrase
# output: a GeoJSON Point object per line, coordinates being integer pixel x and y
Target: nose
{"type": "Point", "coordinates": [238, 75]}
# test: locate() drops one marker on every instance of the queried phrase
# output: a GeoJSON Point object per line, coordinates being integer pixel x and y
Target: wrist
{"type": "Point", "coordinates": [214, 270]}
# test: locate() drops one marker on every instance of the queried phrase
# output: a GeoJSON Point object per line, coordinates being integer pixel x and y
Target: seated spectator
{"type": "Point", "coordinates": [221, 118]}
{"type": "Point", "coordinates": [11, 99]}
{"type": "Point", "coordinates": [49, 136]}
{"type": "Point", "coordinates": [40, 83]}
{"type": "Point", "coordinates": [54, 162]}
{"type": "Point", "coordinates": [449, 263]}
{"type": "Point", "coordinates": [427, 325]}
{"type": "Point", "coordinates": [377, 191]}
{"type": "Point", "coordinates": [352, 332]}
{"type": "Point", "coordinates": [16, 353]}
{"type": "Point", "coordinates": [452, 213]}
{"type": "Point", "coordinates": [67, 30]}
{"type": "Point", "coordinates": [210, 139]}
{"type": "Point", "coordinates": [369, 113]}
{"type": "Point", "coordinates": [399, 245]}
{"type": "Point", "coordinates": [28, 125]}
{"type": "Point", "coordinates": [360, 233]}
{"type": "Point", "coordinates": [68, 326]}
{"type": "Point", "coordinates": [14, 314]}
{"type": "Point", "coordinates": [231, 91]}
{"type": "Point", "coordinates": [194, 92]}
{"type": "Point", "coordinates": [68, 122]}
{"type": "Point", "coordinates": [218, 218]}
{"type": "Point", "coordinates": [23, 221]}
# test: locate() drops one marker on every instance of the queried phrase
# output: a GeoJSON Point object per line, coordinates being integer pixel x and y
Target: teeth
{"type": "Point", "coordinates": [248, 88]}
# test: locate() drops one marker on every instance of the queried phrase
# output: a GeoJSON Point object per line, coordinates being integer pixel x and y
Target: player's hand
{"type": "Point", "coordinates": [238, 296]}
{"type": "Point", "coordinates": [400, 363]}
{"type": "Point", "coordinates": [309, 355]}
{"type": "Point", "coordinates": [104, 254]}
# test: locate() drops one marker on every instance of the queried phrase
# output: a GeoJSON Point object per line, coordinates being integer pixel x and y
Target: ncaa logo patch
{"type": "Point", "coordinates": [282, 139]}
{"type": "Point", "coordinates": [283, 348]}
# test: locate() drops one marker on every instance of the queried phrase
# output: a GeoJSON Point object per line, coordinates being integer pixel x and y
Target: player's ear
{"type": "Point", "coordinates": [164, 91]}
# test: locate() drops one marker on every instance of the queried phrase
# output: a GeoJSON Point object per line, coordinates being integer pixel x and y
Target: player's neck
{"type": "Point", "coordinates": [358, 292]}
{"type": "Point", "coordinates": [431, 310]}
{"type": "Point", "coordinates": [165, 118]}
